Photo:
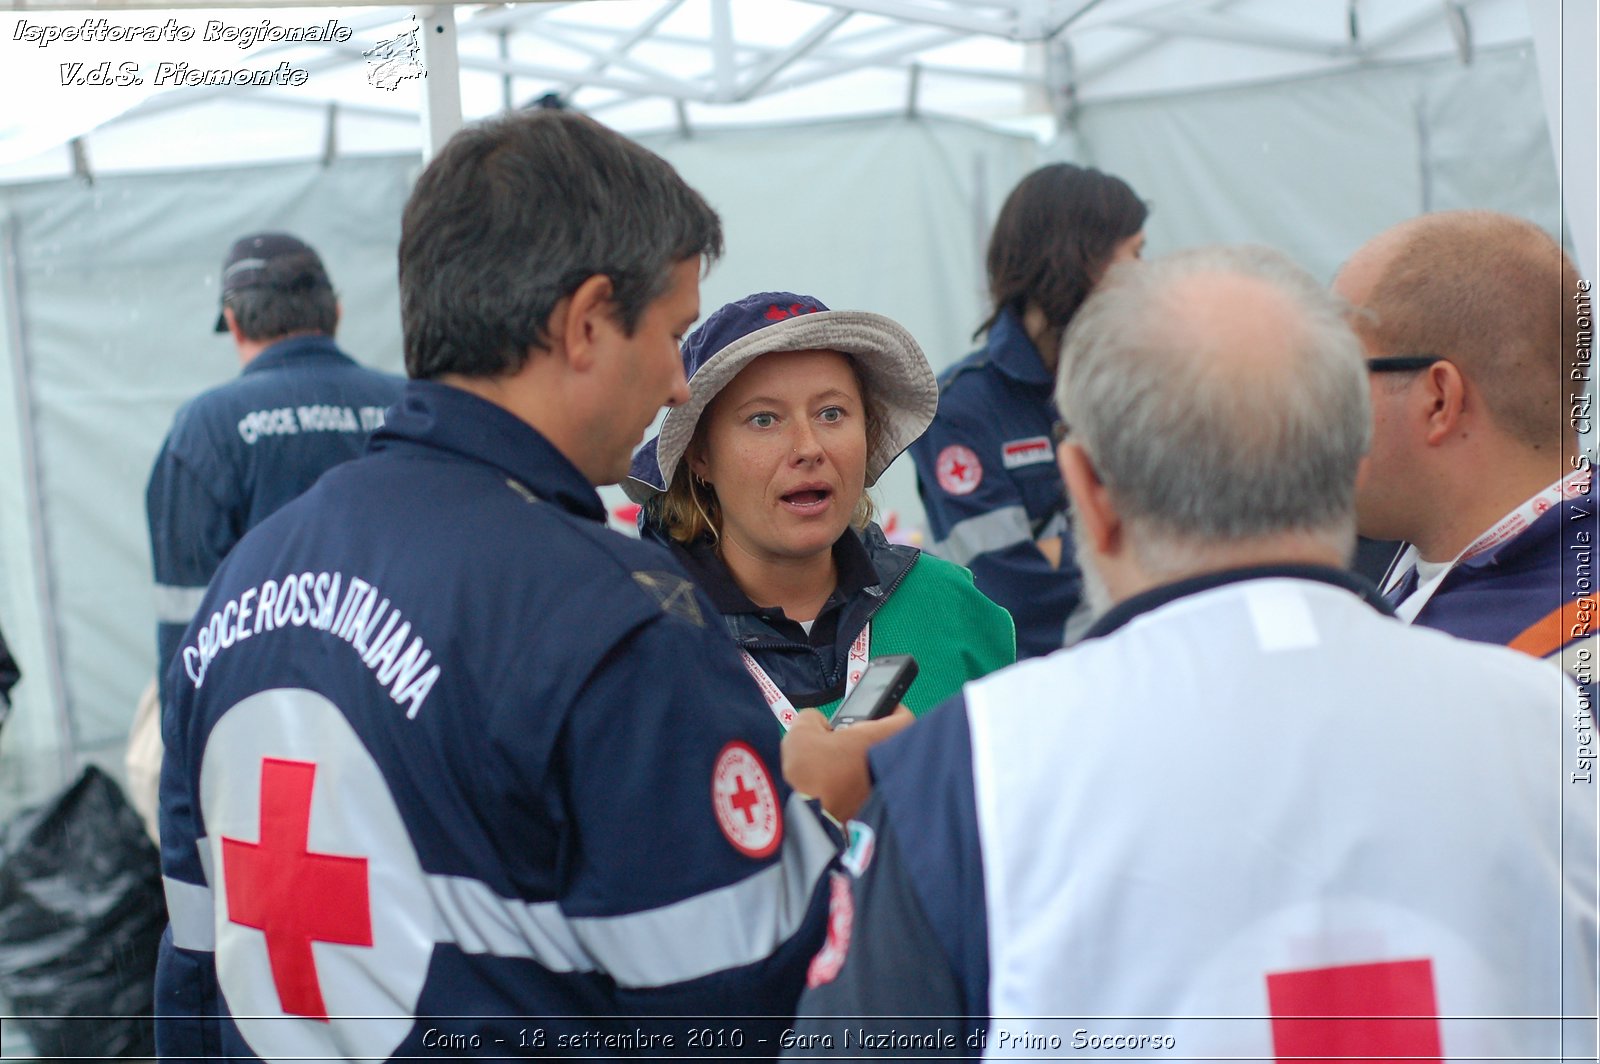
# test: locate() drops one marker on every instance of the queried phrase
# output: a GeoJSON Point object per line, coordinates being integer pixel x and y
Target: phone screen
{"type": "Point", "coordinates": [879, 690]}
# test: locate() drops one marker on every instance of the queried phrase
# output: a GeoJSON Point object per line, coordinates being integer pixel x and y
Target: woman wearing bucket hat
{"type": "Point", "coordinates": [758, 484]}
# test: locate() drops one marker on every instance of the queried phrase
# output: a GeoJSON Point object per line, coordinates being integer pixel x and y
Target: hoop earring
{"type": "Point", "coordinates": [694, 497]}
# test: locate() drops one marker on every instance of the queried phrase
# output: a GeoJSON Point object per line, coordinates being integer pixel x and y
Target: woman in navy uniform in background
{"type": "Point", "coordinates": [986, 467]}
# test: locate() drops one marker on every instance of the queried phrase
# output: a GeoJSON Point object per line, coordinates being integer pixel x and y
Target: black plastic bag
{"type": "Point", "coordinates": [81, 916]}
{"type": "Point", "coordinates": [9, 675]}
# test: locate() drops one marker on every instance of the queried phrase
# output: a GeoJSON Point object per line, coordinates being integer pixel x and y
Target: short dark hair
{"type": "Point", "coordinates": [1052, 238]}
{"type": "Point", "coordinates": [514, 214]}
{"type": "Point", "coordinates": [291, 296]}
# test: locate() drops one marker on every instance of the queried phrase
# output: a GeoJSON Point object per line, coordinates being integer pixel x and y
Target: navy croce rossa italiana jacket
{"type": "Point", "coordinates": [986, 471]}
{"type": "Point", "coordinates": [433, 755]}
{"type": "Point", "coordinates": [238, 452]}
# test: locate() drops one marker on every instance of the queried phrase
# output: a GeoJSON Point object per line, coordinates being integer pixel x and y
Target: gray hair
{"type": "Point", "coordinates": [1198, 444]}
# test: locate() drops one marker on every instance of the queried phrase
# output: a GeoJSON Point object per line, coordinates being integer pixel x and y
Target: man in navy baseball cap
{"type": "Point", "coordinates": [236, 453]}
{"type": "Point", "coordinates": [276, 261]}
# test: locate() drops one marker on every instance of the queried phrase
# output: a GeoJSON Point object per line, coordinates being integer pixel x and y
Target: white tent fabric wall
{"type": "Point", "coordinates": [119, 286]}
{"type": "Point", "coordinates": [118, 289]}
{"type": "Point", "coordinates": [1317, 166]}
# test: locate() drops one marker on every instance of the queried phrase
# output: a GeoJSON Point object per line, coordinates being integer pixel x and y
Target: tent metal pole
{"type": "Point", "coordinates": [1424, 156]}
{"type": "Point", "coordinates": [606, 58]}
{"type": "Point", "coordinates": [507, 97]}
{"type": "Point", "coordinates": [1002, 25]}
{"type": "Point", "coordinates": [441, 97]}
{"type": "Point", "coordinates": [763, 75]}
{"type": "Point", "coordinates": [670, 89]}
{"type": "Point", "coordinates": [722, 54]}
{"type": "Point", "coordinates": [624, 44]}
{"type": "Point", "coordinates": [887, 57]}
{"type": "Point", "coordinates": [27, 441]}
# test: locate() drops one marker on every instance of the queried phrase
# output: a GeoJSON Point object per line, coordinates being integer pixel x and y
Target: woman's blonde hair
{"type": "Point", "coordinates": [690, 509]}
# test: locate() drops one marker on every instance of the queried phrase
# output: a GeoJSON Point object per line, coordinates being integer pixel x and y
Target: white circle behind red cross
{"type": "Point", "coordinates": [745, 801]}
{"type": "Point", "coordinates": [959, 470]}
{"type": "Point", "coordinates": [321, 908]}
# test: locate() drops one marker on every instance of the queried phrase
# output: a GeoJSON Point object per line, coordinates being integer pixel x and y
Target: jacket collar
{"type": "Point", "coordinates": [870, 567]}
{"type": "Point", "coordinates": [1146, 601]}
{"type": "Point", "coordinates": [706, 567]}
{"type": "Point", "coordinates": [295, 349]}
{"type": "Point", "coordinates": [438, 417]}
{"type": "Point", "coordinates": [1014, 354]}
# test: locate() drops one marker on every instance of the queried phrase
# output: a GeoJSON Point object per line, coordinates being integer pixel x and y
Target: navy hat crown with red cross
{"type": "Point", "coordinates": [735, 321]}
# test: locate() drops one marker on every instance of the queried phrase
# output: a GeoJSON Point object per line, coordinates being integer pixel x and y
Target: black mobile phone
{"type": "Point", "coordinates": [883, 684]}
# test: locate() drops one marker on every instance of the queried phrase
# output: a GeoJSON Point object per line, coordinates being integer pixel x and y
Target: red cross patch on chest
{"type": "Point", "coordinates": [746, 801]}
{"type": "Point", "coordinates": [958, 470]}
{"type": "Point", "coordinates": [1373, 1012]}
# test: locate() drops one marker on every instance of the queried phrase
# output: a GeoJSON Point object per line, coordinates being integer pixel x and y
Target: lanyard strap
{"type": "Point", "coordinates": [1512, 524]}
{"type": "Point", "coordinates": [779, 702]}
{"type": "Point", "coordinates": [1507, 528]}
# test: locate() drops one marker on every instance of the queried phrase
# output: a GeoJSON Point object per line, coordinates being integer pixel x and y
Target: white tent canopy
{"type": "Point", "coordinates": [659, 64]}
{"type": "Point", "coordinates": [856, 150]}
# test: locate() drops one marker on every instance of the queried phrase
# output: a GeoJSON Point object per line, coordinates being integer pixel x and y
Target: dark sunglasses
{"type": "Point", "coordinates": [1402, 363]}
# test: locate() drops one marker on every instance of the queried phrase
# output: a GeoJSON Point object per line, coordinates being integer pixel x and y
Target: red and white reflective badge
{"type": "Point", "coordinates": [959, 470]}
{"type": "Point", "coordinates": [745, 801]}
{"type": "Point", "coordinates": [841, 918]}
{"type": "Point", "coordinates": [1031, 451]}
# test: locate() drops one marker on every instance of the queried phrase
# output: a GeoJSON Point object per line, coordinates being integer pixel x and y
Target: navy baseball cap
{"type": "Point", "coordinates": [893, 369]}
{"type": "Point", "coordinates": [249, 259]}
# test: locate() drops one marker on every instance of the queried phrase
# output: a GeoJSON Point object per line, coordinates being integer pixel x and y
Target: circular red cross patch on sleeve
{"type": "Point", "coordinates": [959, 470]}
{"type": "Point", "coordinates": [745, 801]}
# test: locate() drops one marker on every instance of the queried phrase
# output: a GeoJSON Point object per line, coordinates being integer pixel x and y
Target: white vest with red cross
{"type": "Point", "coordinates": [1265, 821]}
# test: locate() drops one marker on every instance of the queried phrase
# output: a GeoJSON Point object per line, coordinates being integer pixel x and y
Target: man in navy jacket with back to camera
{"type": "Point", "coordinates": [238, 452]}
{"type": "Point", "coordinates": [450, 765]}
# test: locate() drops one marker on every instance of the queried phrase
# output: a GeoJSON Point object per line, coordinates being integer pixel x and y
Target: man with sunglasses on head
{"type": "Point", "coordinates": [1477, 335]}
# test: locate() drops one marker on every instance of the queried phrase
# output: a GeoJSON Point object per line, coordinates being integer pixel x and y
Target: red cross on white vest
{"type": "Point", "coordinates": [1370, 1012]}
{"type": "Point", "coordinates": [291, 895]}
